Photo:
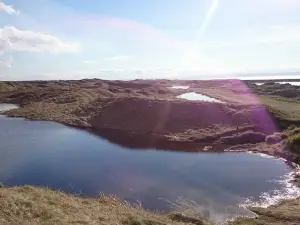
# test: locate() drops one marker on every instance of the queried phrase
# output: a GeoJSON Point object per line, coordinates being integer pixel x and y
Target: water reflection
{"type": "Point", "coordinates": [180, 87]}
{"type": "Point", "coordinates": [5, 107]}
{"type": "Point", "coordinates": [292, 83]}
{"type": "Point", "coordinates": [149, 141]}
{"type": "Point", "coordinates": [198, 97]}
{"type": "Point", "coordinates": [53, 155]}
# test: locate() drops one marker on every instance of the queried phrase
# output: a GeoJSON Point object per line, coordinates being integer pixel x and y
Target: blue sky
{"type": "Point", "coordinates": [118, 39]}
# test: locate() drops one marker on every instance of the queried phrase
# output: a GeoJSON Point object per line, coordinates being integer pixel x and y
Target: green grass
{"type": "Point", "coordinates": [285, 110]}
{"type": "Point", "coordinates": [293, 139]}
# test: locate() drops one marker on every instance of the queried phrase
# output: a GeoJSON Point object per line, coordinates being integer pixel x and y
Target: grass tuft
{"type": "Point", "coordinates": [34, 206]}
{"type": "Point", "coordinates": [274, 138]}
{"type": "Point", "coordinates": [244, 138]}
{"type": "Point", "coordinates": [293, 139]}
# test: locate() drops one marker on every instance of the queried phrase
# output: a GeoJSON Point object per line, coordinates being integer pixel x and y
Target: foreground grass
{"type": "Point", "coordinates": [32, 205]}
{"type": "Point", "coordinates": [286, 213]}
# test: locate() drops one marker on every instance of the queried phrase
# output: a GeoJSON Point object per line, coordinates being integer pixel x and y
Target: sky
{"type": "Point", "coordinates": [139, 39]}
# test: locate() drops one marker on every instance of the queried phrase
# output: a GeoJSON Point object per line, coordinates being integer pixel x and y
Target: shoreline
{"type": "Point", "coordinates": [117, 111]}
{"type": "Point", "coordinates": [179, 147]}
{"type": "Point", "coordinates": [36, 205]}
{"type": "Point", "coordinates": [129, 139]}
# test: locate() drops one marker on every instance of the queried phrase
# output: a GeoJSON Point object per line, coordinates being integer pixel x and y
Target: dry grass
{"type": "Point", "coordinates": [293, 139]}
{"type": "Point", "coordinates": [285, 110]}
{"type": "Point", "coordinates": [244, 138]}
{"type": "Point", "coordinates": [31, 205]}
{"type": "Point", "coordinates": [275, 138]}
{"type": "Point", "coordinates": [286, 213]}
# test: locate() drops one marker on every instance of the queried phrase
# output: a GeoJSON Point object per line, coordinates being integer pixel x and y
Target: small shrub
{"type": "Point", "coordinates": [162, 92]}
{"type": "Point", "coordinates": [185, 219]}
{"type": "Point", "coordinates": [244, 138]}
{"type": "Point", "coordinates": [270, 83]}
{"type": "Point", "coordinates": [113, 90]}
{"type": "Point", "coordinates": [293, 131]}
{"type": "Point", "coordinates": [274, 138]}
{"type": "Point", "coordinates": [293, 139]}
{"type": "Point", "coordinates": [1, 185]}
{"type": "Point", "coordinates": [288, 93]}
{"type": "Point", "coordinates": [143, 92]}
{"type": "Point", "coordinates": [141, 221]}
{"type": "Point", "coordinates": [294, 142]}
{"type": "Point", "coordinates": [296, 159]}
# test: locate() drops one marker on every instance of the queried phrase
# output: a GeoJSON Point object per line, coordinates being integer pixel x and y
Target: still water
{"type": "Point", "coordinates": [4, 107]}
{"type": "Point", "coordinates": [292, 83]}
{"type": "Point", "coordinates": [59, 157]}
{"type": "Point", "coordinates": [193, 96]}
{"type": "Point", "coordinates": [180, 87]}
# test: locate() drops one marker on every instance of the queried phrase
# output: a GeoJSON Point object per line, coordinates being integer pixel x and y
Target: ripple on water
{"type": "Point", "coordinates": [75, 161]}
{"type": "Point", "coordinates": [288, 191]}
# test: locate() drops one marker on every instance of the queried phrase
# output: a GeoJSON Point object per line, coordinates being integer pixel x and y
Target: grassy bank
{"type": "Point", "coordinates": [32, 205]}
{"type": "Point", "coordinates": [266, 122]}
{"type": "Point", "coordinates": [150, 109]}
{"type": "Point", "coordinates": [286, 213]}
{"type": "Point", "coordinates": [29, 205]}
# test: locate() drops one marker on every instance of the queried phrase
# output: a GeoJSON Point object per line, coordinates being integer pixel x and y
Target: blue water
{"type": "Point", "coordinates": [56, 156]}
{"type": "Point", "coordinates": [180, 87]}
{"type": "Point", "coordinates": [292, 83]}
{"type": "Point", "coordinates": [4, 107]}
{"type": "Point", "coordinates": [197, 97]}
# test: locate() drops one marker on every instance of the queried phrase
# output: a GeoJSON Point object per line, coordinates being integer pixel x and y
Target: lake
{"type": "Point", "coordinates": [292, 83]}
{"type": "Point", "coordinates": [53, 155]}
{"type": "Point", "coordinates": [4, 107]}
{"type": "Point", "coordinates": [180, 87]}
{"type": "Point", "coordinates": [193, 96]}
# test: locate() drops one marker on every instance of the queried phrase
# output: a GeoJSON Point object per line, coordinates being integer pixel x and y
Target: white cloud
{"type": "Point", "coordinates": [277, 4]}
{"type": "Point", "coordinates": [272, 35]}
{"type": "Point", "coordinates": [7, 62]}
{"type": "Point", "coordinates": [119, 57]}
{"type": "Point", "coordinates": [89, 62]}
{"type": "Point", "coordinates": [13, 39]}
{"type": "Point", "coordinates": [277, 34]}
{"type": "Point", "coordinates": [8, 9]}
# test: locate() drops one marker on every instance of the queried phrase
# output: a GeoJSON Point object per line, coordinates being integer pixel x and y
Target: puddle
{"type": "Point", "coordinates": [5, 107]}
{"type": "Point", "coordinates": [180, 87]}
{"type": "Point", "coordinates": [292, 83]}
{"type": "Point", "coordinates": [193, 96]}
